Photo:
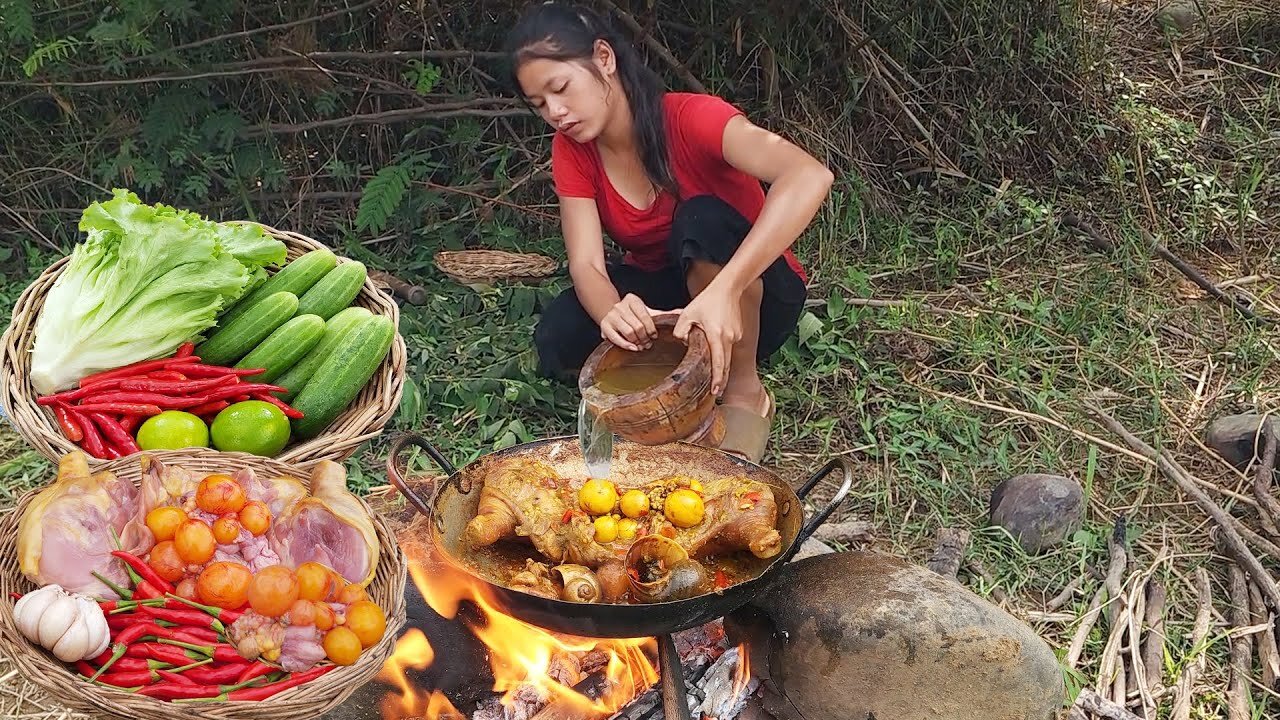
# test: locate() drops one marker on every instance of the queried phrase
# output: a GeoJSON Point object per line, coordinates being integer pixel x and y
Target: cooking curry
{"type": "Point", "coordinates": [667, 539]}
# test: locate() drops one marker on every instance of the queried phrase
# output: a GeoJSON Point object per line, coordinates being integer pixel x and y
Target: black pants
{"type": "Point", "coordinates": [704, 228]}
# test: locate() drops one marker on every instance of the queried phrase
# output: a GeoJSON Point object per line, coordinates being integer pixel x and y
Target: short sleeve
{"type": "Point", "coordinates": [701, 120]}
{"type": "Point", "coordinates": [570, 169]}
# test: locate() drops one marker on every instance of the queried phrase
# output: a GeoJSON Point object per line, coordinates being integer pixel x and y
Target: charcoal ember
{"type": "Point", "coordinates": [1038, 510]}
{"type": "Point", "coordinates": [905, 643]}
{"type": "Point", "coordinates": [564, 668]}
{"type": "Point", "coordinates": [721, 693]}
{"type": "Point", "coordinates": [1238, 438]}
{"type": "Point", "coordinates": [701, 644]}
{"type": "Point", "coordinates": [490, 709]}
{"type": "Point", "coordinates": [593, 662]}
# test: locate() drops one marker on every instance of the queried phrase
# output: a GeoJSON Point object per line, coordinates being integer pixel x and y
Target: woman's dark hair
{"type": "Point", "coordinates": [558, 31]}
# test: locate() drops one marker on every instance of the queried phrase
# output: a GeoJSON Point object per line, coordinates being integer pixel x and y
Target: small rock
{"type": "Point", "coordinates": [855, 635]}
{"type": "Point", "coordinates": [1178, 15]}
{"type": "Point", "coordinates": [1237, 438]}
{"type": "Point", "coordinates": [1038, 510]}
{"type": "Point", "coordinates": [812, 547]}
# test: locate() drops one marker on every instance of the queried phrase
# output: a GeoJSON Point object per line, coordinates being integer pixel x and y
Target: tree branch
{"type": "Point", "coordinates": [469, 108]}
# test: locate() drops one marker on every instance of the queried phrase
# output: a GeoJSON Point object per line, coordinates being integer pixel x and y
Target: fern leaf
{"type": "Point", "coordinates": [16, 20]}
{"type": "Point", "coordinates": [381, 197]}
{"type": "Point", "coordinates": [53, 51]}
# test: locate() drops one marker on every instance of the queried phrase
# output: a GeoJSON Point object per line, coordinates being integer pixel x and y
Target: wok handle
{"type": "Point", "coordinates": [836, 463]}
{"type": "Point", "coordinates": [675, 697]}
{"type": "Point", "coordinates": [397, 479]}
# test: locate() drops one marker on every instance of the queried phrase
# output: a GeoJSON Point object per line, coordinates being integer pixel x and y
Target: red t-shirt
{"type": "Point", "coordinates": [695, 130]}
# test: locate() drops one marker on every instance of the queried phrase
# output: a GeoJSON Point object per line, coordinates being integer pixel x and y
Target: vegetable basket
{"type": "Point", "coordinates": [308, 700]}
{"type": "Point", "coordinates": [362, 420]}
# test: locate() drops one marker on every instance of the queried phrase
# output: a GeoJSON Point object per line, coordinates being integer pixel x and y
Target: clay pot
{"type": "Point", "coordinates": [679, 407]}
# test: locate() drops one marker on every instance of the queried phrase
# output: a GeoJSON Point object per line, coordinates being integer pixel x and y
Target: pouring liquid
{"type": "Point", "coordinates": [594, 435]}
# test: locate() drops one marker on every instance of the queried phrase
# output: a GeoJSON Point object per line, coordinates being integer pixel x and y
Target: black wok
{"type": "Point", "coordinates": [455, 501]}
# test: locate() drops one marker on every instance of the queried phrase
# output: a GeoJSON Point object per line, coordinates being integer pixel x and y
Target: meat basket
{"type": "Point", "coordinates": [309, 700]}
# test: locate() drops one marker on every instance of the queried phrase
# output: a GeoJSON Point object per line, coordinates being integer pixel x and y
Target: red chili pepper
{"type": "Point", "coordinates": [130, 422]}
{"type": "Point", "coordinates": [216, 370]}
{"type": "Point", "coordinates": [722, 580]}
{"type": "Point", "coordinates": [568, 515]}
{"type": "Point", "coordinates": [182, 387]}
{"type": "Point", "coordinates": [211, 408]}
{"type": "Point", "coordinates": [133, 633]}
{"type": "Point", "coordinates": [167, 402]}
{"type": "Point", "coordinates": [144, 570]}
{"type": "Point", "coordinates": [255, 670]}
{"type": "Point", "coordinates": [92, 443]}
{"type": "Point", "coordinates": [185, 350]}
{"type": "Point", "coordinates": [128, 678]}
{"type": "Point", "coordinates": [113, 453]}
{"type": "Point", "coordinates": [158, 651]}
{"type": "Point", "coordinates": [138, 368]}
{"type": "Point", "coordinates": [164, 375]}
{"type": "Point", "coordinates": [286, 408]}
{"type": "Point", "coordinates": [111, 606]}
{"type": "Point", "coordinates": [194, 618]}
{"type": "Point", "coordinates": [111, 429]}
{"type": "Point", "coordinates": [121, 408]}
{"type": "Point", "coordinates": [145, 591]}
{"type": "Point", "coordinates": [266, 691]}
{"type": "Point", "coordinates": [225, 391]}
{"type": "Point", "coordinates": [220, 652]}
{"type": "Point", "coordinates": [128, 663]}
{"type": "Point", "coordinates": [225, 674]}
{"type": "Point", "coordinates": [70, 429]}
{"type": "Point", "coordinates": [179, 691]}
{"type": "Point", "coordinates": [226, 616]}
{"type": "Point", "coordinates": [195, 635]}
{"type": "Point", "coordinates": [67, 396]}
{"type": "Point", "coordinates": [176, 678]}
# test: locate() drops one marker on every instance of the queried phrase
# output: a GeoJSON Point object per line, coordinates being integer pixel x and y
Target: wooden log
{"type": "Point", "coordinates": [1090, 701]}
{"type": "Point", "coordinates": [1153, 644]}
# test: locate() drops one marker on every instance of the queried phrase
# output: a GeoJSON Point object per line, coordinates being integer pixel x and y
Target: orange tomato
{"type": "Point", "coordinates": [342, 646]}
{"type": "Point", "coordinates": [165, 521]}
{"type": "Point", "coordinates": [351, 594]}
{"type": "Point", "coordinates": [220, 494]}
{"type": "Point", "coordinates": [224, 584]}
{"type": "Point", "coordinates": [302, 612]}
{"type": "Point", "coordinates": [324, 616]}
{"type": "Point", "coordinates": [316, 581]}
{"type": "Point", "coordinates": [226, 529]}
{"type": "Point", "coordinates": [255, 517]}
{"type": "Point", "coordinates": [164, 559]}
{"type": "Point", "coordinates": [273, 591]}
{"type": "Point", "coordinates": [195, 542]}
{"type": "Point", "coordinates": [366, 620]}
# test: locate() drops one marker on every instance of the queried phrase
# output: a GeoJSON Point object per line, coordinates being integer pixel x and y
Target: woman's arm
{"type": "Point", "coordinates": [798, 184]}
{"type": "Point", "coordinates": [625, 322]}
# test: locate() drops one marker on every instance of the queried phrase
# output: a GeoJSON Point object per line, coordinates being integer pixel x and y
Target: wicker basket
{"type": "Point", "coordinates": [485, 267]}
{"type": "Point", "coordinates": [362, 420]}
{"type": "Point", "coordinates": [305, 701]}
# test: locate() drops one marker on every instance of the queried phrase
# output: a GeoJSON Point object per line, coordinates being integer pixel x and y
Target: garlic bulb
{"type": "Point", "coordinates": [69, 625]}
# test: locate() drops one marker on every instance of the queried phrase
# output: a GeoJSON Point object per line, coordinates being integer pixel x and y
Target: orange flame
{"type": "Point", "coordinates": [528, 662]}
{"type": "Point", "coordinates": [742, 673]}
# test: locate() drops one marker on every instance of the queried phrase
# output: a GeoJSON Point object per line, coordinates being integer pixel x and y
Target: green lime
{"type": "Point", "coordinates": [252, 426]}
{"type": "Point", "coordinates": [171, 430]}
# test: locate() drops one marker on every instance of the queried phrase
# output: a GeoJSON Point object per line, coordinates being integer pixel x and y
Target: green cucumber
{"type": "Point", "coordinates": [342, 375]}
{"type": "Point", "coordinates": [236, 338]}
{"type": "Point", "coordinates": [283, 348]}
{"type": "Point", "coordinates": [295, 378]}
{"type": "Point", "coordinates": [296, 277]}
{"type": "Point", "coordinates": [334, 291]}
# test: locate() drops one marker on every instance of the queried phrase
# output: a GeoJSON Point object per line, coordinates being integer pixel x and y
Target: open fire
{"type": "Point", "coordinates": [532, 668]}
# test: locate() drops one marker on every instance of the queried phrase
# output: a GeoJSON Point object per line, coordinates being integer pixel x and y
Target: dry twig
{"type": "Point", "coordinates": [1268, 654]}
{"type": "Point", "coordinates": [1153, 642]}
{"type": "Point", "coordinates": [948, 552]}
{"type": "Point", "coordinates": [1238, 696]}
{"type": "Point", "coordinates": [1230, 538]}
{"type": "Point", "coordinates": [1115, 571]}
{"type": "Point", "coordinates": [658, 48]}
{"type": "Point", "coordinates": [1057, 601]}
{"type": "Point", "coordinates": [1184, 690]}
{"type": "Point", "coordinates": [1090, 701]}
{"type": "Point", "coordinates": [1264, 478]}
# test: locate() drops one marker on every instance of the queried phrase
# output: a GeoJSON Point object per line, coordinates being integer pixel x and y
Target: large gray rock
{"type": "Point", "coordinates": [1238, 438]}
{"type": "Point", "coordinates": [860, 635]}
{"type": "Point", "coordinates": [1038, 510]}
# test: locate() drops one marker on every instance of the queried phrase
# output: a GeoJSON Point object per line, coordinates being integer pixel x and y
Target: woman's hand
{"type": "Point", "coordinates": [629, 324]}
{"type": "Point", "coordinates": [719, 313]}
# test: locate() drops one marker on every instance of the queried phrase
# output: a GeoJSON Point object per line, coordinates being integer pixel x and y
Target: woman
{"type": "Point", "coordinates": [675, 181]}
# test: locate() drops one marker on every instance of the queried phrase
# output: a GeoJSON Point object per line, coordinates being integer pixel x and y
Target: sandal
{"type": "Point", "coordinates": [746, 434]}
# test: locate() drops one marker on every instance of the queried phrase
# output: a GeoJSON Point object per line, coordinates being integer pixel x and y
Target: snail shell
{"type": "Point", "coordinates": [579, 584]}
{"type": "Point", "coordinates": [659, 569]}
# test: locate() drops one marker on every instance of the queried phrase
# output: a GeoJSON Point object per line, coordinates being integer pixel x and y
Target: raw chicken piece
{"type": "Point", "coordinates": [301, 648]}
{"type": "Point", "coordinates": [329, 527]}
{"type": "Point", "coordinates": [164, 484]}
{"type": "Point", "coordinates": [65, 534]}
{"type": "Point", "coordinates": [278, 493]}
